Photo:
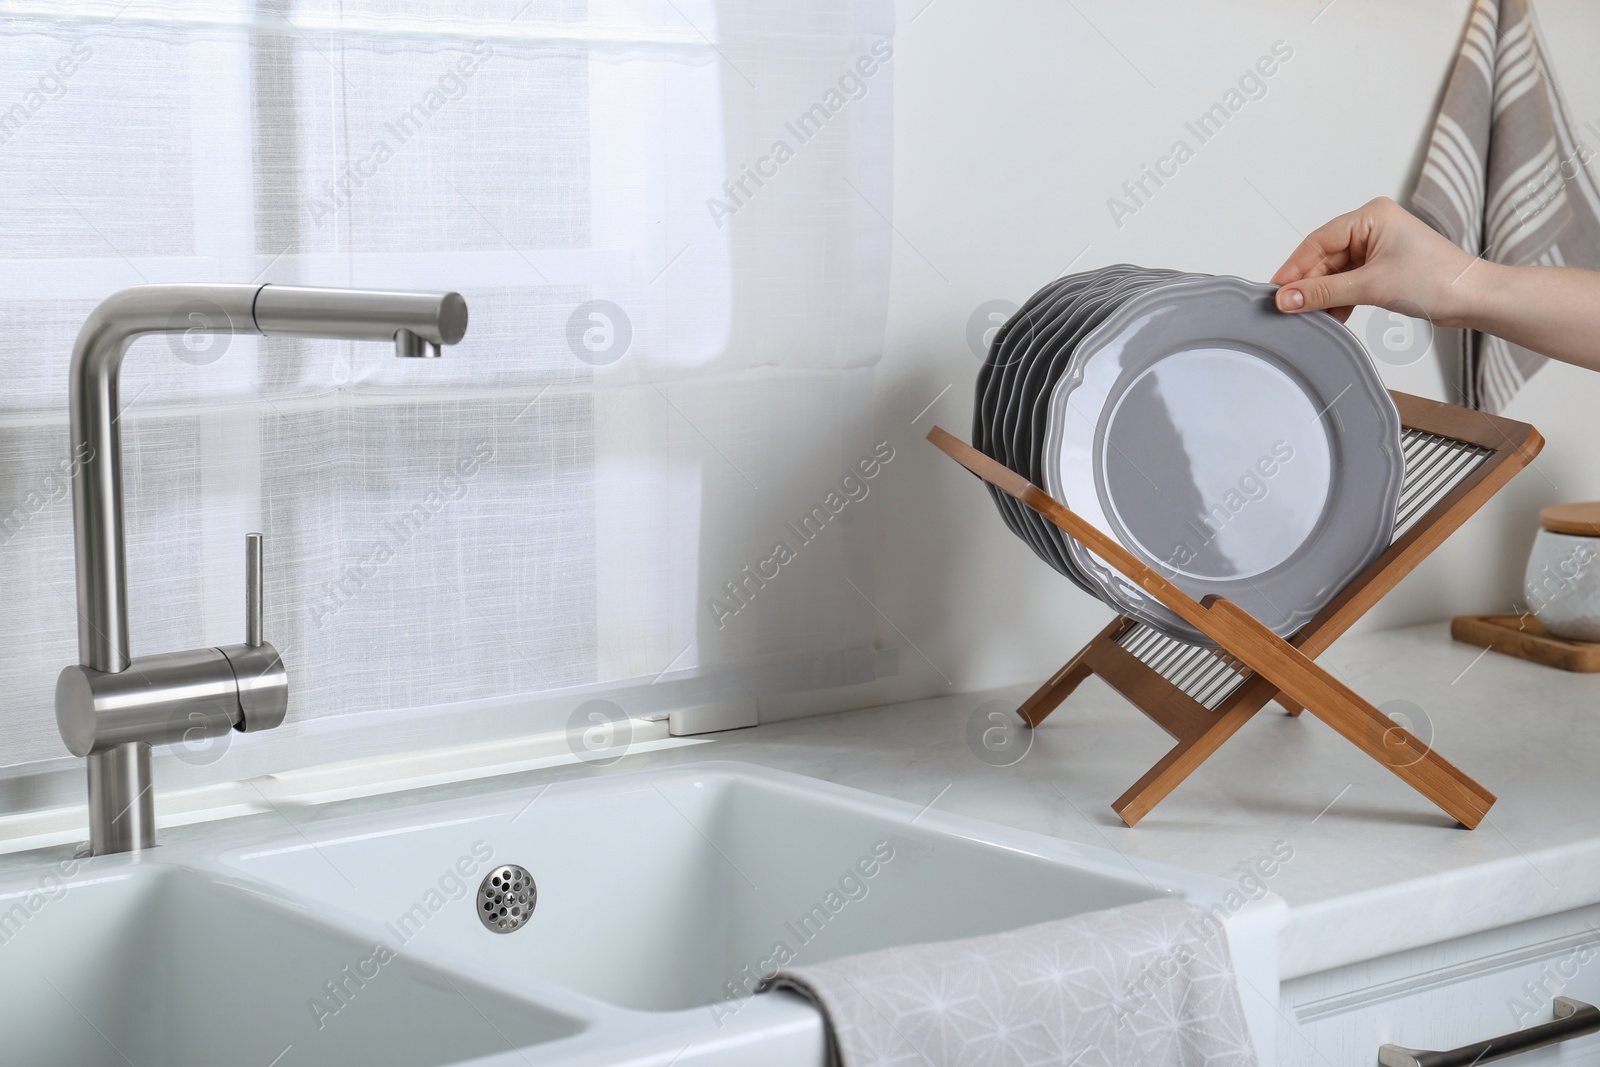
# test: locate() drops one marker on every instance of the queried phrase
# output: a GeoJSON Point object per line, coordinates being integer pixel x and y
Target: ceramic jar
{"type": "Point", "coordinates": [1562, 583]}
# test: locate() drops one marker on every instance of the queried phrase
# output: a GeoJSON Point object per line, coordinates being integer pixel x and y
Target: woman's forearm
{"type": "Point", "coordinates": [1551, 310]}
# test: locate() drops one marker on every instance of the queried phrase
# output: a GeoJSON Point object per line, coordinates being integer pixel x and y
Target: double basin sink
{"type": "Point", "coordinates": [659, 899]}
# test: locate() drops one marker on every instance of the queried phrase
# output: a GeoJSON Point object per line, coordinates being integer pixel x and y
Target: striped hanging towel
{"type": "Point", "coordinates": [1506, 176]}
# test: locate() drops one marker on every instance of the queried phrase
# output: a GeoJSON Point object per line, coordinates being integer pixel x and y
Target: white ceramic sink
{"type": "Point", "coordinates": [160, 966]}
{"type": "Point", "coordinates": [654, 892]}
{"type": "Point", "coordinates": [662, 896]}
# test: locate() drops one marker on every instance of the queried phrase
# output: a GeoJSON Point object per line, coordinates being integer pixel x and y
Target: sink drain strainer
{"type": "Point", "coordinates": [506, 898]}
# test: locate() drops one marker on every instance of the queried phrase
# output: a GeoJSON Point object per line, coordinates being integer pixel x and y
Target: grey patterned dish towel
{"type": "Point", "coordinates": [1147, 985]}
{"type": "Point", "coordinates": [1507, 176]}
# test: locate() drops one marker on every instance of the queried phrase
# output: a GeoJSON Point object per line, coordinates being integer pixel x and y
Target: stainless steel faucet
{"type": "Point", "coordinates": [111, 707]}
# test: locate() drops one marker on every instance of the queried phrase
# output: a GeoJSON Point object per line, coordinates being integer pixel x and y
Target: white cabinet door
{"type": "Point", "coordinates": [1447, 995]}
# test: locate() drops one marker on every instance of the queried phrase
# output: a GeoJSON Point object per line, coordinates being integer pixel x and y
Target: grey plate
{"type": "Point", "coordinates": [1073, 310]}
{"type": "Point", "coordinates": [1032, 343]}
{"type": "Point", "coordinates": [986, 399]}
{"type": "Point", "coordinates": [1067, 307]}
{"type": "Point", "coordinates": [1026, 346]}
{"type": "Point", "coordinates": [1101, 292]}
{"type": "Point", "coordinates": [1027, 356]}
{"type": "Point", "coordinates": [1239, 451]}
{"type": "Point", "coordinates": [1009, 349]}
{"type": "Point", "coordinates": [1093, 305]}
{"type": "Point", "coordinates": [1103, 298]}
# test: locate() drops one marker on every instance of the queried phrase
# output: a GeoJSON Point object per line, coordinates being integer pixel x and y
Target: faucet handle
{"type": "Point", "coordinates": [252, 590]}
{"type": "Point", "coordinates": [263, 682]}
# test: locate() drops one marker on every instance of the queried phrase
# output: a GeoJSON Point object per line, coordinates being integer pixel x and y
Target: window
{"type": "Point", "coordinates": [668, 364]}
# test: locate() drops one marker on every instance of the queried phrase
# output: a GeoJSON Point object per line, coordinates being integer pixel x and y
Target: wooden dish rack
{"type": "Point", "coordinates": [1455, 460]}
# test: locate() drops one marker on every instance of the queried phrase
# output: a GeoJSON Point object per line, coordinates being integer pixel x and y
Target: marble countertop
{"type": "Point", "coordinates": [1375, 867]}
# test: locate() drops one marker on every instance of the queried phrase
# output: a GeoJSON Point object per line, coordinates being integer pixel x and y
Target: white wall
{"type": "Point", "coordinates": [1015, 121]}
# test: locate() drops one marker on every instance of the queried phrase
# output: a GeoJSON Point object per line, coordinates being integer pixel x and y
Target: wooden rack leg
{"type": "Point", "coordinates": [1289, 705]}
{"type": "Point", "coordinates": [1396, 749]}
{"type": "Point", "coordinates": [1187, 756]}
{"type": "Point", "coordinates": [1049, 696]}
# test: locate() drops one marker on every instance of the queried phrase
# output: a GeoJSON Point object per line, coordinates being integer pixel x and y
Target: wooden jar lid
{"type": "Point", "coordinates": [1580, 520]}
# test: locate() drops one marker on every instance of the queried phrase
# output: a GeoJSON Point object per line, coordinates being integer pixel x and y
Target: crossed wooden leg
{"type": "Point", "coordinates": [1198, 731]}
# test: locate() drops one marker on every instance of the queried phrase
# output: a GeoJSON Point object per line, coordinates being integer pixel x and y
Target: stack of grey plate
{"type": "Point", "coordinates": [1236, 450]}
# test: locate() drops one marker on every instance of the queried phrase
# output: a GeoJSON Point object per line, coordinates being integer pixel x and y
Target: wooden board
{"type": "Point", "coordinates": [1525, 637]}
{"type": "Point", "coordinates": [1577, 520]}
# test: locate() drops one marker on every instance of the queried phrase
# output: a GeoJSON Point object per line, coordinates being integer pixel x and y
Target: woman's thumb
{"type": "Point", "coordinates": [1320, 294]}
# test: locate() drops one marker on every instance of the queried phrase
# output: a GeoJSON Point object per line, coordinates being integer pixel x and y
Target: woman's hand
{"type": "Point", "coordinates": [1382, 254]}
{"type": "Point", "coordinates": [1378, 254]}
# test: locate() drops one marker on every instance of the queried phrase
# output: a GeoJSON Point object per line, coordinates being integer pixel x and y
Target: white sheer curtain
{"type": "Point", "coordinates": [673, 325]}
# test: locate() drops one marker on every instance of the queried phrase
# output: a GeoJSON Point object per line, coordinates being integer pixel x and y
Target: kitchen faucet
{"type": "Point", "coordinates": [111, 707]}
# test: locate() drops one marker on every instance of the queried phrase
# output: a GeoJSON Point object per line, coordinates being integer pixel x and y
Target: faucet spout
{"type": "Point", "coordinates": [433, 319]}
{"type": "Point", "coordinates": [97, 441]}
{"type": "Point", "coordinates": [112, 721]}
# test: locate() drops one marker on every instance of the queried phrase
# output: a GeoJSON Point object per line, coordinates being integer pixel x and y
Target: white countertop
{"type": "Point", "coordinates": [1375, 868]}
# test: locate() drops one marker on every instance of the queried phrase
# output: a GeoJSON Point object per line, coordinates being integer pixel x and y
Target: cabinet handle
{"type": "Point", "coordinates": [1573, 1018]}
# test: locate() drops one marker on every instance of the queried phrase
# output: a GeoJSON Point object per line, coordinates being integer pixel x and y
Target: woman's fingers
{"type": "Point", "coordinates": [1328, 249]}
{"type": "Point", "coordinates": [1337, 266]}
{"type": "Point", "coordinates": [1310, 261]}
{"type": "Point", "coordinates": [1327, 292]}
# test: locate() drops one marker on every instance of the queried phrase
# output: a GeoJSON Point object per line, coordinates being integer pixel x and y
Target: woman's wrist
{"type": "Point", "coordinates": [1472, 298]}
